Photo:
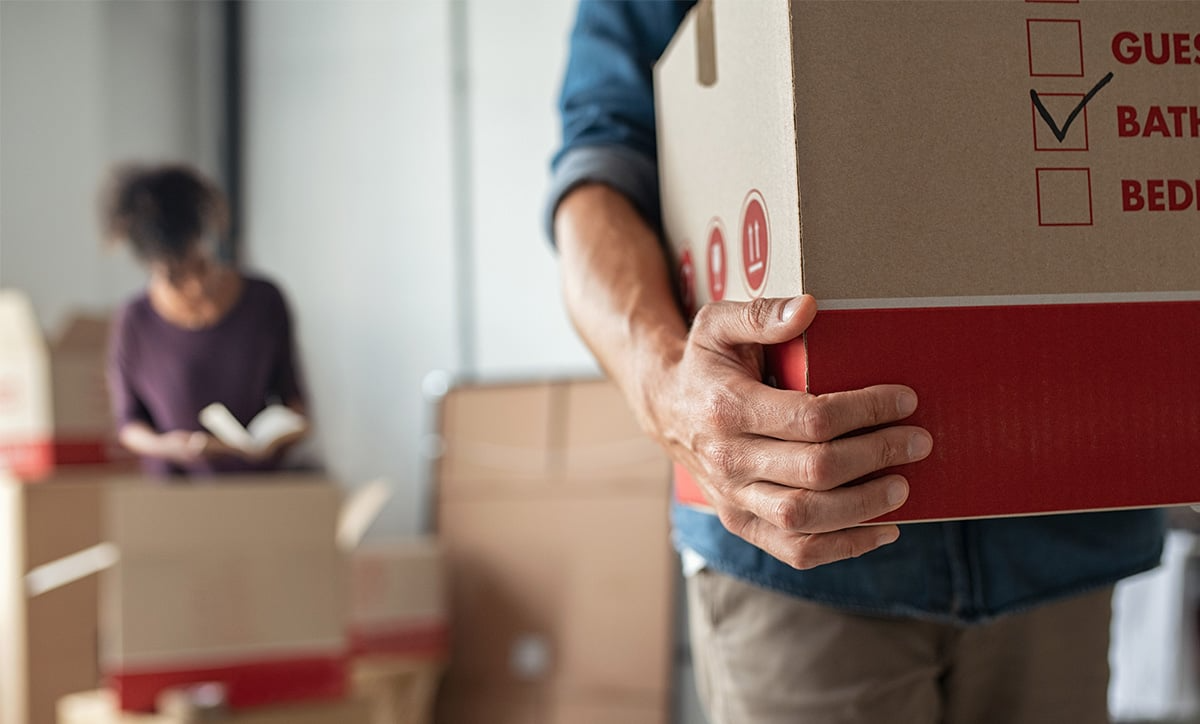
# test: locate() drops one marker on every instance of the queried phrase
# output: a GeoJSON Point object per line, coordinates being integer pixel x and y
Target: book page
{"type": "Point", "coordinates": [224, 426]}
{"type": "Point", "coordinates": [273, 423]}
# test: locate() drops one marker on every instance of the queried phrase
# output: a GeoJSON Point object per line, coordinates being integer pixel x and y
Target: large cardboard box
{"type": "Point", "coordinates": [54, 405]}
{"type": "Point", "coordinates": [993, 202]}
{"type": "Point", "coordinates": [48, 643]}
{"type": "Point", "coordinates": [553, 515]}
{"type": "Point", "coordinates": [237, 582]}
{"type": "Point", "coordinates": [84, 433]}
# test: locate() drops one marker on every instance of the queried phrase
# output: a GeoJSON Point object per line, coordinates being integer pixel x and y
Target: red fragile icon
{"type": "Point", "coordinates": [687, 283]}
{"type": "Point", "coordinates": [756, 242]}
{"type": "Point", "coordinates": [716, 261]}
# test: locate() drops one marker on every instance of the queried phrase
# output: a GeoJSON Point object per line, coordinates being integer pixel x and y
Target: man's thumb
{"type": "Point", "coordinates": [760, 321]}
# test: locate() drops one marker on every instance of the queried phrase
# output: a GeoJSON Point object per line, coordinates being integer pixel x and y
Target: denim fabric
{"type": "Point", "coordinates": [607, 100]}
{"type": "Point", "coordinates": [961, 572]}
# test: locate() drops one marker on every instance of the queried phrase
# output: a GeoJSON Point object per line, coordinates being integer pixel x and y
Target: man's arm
{"type": "Point", "coordinates": [772, 462]}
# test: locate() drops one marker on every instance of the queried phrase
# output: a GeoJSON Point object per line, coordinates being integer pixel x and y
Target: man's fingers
{"type": "Point", "coordinates": [814, 511]}
{"type": "Point", "coordinates": [721, 325]}
{"type": "Point", "coordinates": [801, 417]}
{"type": "Point", "coordinates": [809, 550]}
{"type": "Point", "coordinates": [828, 465]}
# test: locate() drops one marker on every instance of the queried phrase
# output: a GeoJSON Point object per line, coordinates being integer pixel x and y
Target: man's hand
{"type": "Point", "coordinates": [774, 463]}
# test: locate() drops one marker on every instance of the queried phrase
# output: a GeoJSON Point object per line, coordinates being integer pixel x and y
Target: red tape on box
{"type": "Point", "coordinates": [1033, 409]}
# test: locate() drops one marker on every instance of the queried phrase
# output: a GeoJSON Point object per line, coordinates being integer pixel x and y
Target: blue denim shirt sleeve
{"type": "Point", "coordinates": [607, 100]}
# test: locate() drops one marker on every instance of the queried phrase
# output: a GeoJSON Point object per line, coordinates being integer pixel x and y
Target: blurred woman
{"type": "Point", "coordinates": [201, 332]}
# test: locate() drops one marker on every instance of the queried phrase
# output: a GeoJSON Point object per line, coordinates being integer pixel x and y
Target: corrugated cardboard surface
{"type": "Point", "coordinates": [398, 599]}
{"type": "Point", "coordinates": [399, 579]}
{"type": "Point", "coordinates": [509, 438]}
{"type": "Point", "coordinates": [917, 160]}
{"type": "Point", "coordinates": [914, 164]}
{"type": "Point", "coordinates": [49, 644]}
{"type": "Point", "coordinates": [601, 440]}
{"type": "Point", "coordinates": [509, 455]}
{"type": "Point", "coordinates": [1076, 424]}
{"type": "Point", "coordinates": [81, 404]}
{"type": "Point", "coordinates": [562, 588]}
{"type": "Point", "coordinates": [912, 184]}
{"type": "Point", "coordinates": [214, 576]}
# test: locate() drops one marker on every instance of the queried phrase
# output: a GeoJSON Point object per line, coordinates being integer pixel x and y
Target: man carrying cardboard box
{"type": "Point", "coordinates": [800, 613]}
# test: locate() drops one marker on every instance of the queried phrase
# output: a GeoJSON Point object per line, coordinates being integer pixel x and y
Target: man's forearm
{"type": "Point", "coordinates": [617, 289]}
{"type": "Point", "coordinates": [772, 463]}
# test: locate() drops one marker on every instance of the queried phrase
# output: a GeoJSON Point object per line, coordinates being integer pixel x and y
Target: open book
{"type": "Point", "coordinates": [269, 426]}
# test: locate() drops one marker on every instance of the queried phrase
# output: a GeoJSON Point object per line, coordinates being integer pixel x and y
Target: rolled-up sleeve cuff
{"type": "Point", "coordinates": [629, 172]}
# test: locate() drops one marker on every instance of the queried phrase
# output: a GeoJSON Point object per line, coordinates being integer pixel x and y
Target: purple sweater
{"type": "Point", "coordinates": [164, 375]}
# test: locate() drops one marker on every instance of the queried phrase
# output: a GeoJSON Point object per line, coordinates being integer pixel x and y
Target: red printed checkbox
{"type": "Point", "coordinates": [1064, 196]}
{"type": "Point", "coordinates": [1060, 106]}
{"type": "Point", "coordinates": [1055, 48]}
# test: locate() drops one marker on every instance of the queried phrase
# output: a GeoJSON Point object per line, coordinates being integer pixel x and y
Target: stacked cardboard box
{"type": "Point", "coordinates": [49, 641]}
{"type": "Point", "coordinates": [398, 630]}
{"type": "Point", "coordinates": [993, 202]}
{"type": "Point", "coordinates": [54, 407]}
{"type": "Point", "coordinates": [238, 582]}
{"type": "Point", "coordinates": [553, 514]}
{"type": "Point", "coordinates": [398, 600]}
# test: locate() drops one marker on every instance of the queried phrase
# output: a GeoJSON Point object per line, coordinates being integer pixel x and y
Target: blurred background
{"type": "Point", "coordinates": [386, 163]}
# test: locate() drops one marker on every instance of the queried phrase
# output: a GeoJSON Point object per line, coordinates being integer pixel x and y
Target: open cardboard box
{"type": "Point", "coordinates": [240, 582]}
{"type": "Point", "coordinates": [995, 203]}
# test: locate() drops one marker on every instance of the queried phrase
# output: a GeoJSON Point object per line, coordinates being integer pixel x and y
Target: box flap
{"type": "Point", "coordinates": [719, 145]}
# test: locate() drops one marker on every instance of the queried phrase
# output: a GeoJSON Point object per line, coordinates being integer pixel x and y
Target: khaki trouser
{"type": "Point", "coordinates": [766, 658]}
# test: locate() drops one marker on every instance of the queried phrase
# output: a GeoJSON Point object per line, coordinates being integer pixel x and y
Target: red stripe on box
{"type": "Point", "coordinates": [422, 639]}
{"type": "Point", "coordinates": [27, 459]}
{"type": "Point", "coordinates": [83, 451]}
{"type": "Point", "coordinates": [1033, 409]}
{"type": "Point", "coordinates": [248, 683]}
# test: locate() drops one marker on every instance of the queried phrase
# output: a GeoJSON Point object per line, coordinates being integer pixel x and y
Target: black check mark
{"type": "Point", "coordinates": [1062, 134]}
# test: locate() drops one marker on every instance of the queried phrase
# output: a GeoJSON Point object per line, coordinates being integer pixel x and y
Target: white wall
{"type": "Point", "coordinates": [354, 206]}
{"type": "Point", "coordinates": [83, 85]}
{"type": "Point", "coordinates": [516, 60]}
{"type": "Point", "coordinates": [348, 191]}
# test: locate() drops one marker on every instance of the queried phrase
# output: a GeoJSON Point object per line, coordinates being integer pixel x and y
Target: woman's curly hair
{"type": "Point", "coordinates": [162, 211]}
